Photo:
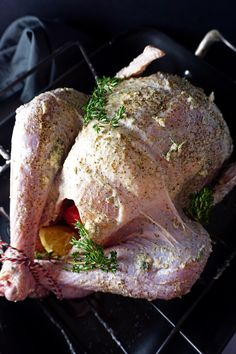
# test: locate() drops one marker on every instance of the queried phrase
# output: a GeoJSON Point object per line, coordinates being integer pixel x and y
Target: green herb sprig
{"type": "Point", "coordinates": [95, 108]}
{"type": "Point", "coordinates": [43, 255]}
{"type": "Point", "coordinates": [47, 256]}
{"type": "Point", "coordinates": [90, 255]}
{"type": "Point", "coordinates": [200, 205]}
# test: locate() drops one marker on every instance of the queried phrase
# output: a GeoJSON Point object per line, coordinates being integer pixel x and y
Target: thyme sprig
{"type": "Point", "coordinates": [90, 255]}
{"type": "Point", "coordinates": [48, 256]}
{"type": "Point", "coordinates": [43, 255]}
{"type": "Point", "coordinates": [95, 108]}
{"type": "Point", "coordinates": [200, 205]}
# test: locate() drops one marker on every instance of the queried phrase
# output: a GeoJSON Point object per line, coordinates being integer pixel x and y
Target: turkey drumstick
{"type": "Point", "coordinates": [157, 258]}
{"type": "Point", "coordinates": [43, 134]}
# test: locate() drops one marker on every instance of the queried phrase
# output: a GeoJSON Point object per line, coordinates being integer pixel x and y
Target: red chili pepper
{"type": "Point", "coordinates": [71, 215]}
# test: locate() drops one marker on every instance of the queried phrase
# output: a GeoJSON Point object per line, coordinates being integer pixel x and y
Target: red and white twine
{"type": "Point", "coordinates": [34, 266]}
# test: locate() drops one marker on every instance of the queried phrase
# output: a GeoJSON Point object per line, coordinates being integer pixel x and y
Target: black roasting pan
{"type": "Point", "coordinates": [202, 321]}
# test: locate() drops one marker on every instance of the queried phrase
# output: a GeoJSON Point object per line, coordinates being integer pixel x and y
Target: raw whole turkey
{"type": "Point", "coordinates": [130, 183]}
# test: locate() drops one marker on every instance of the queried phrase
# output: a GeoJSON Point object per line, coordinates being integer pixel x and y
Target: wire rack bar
{"type": "Point", "coordinates": [107, 327]}
{"type": "Point", "coordinates": [72, 347]}
{"type": "Point", "coordinates": [88, 61]}
{"type": "Point", "coordinates": [4, 213]}
{"type": "Point", "coordinates": [5, 155]}
{"type": "Point", "coordinates": [185, 316]}
{"type": "Point", "coordinates": [180, 332]}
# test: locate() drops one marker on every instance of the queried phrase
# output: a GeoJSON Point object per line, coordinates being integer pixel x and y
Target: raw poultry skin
{"type": "Point", "coordinates": [43, 134]}
{"type": "Point", "coordinates": [130, 185]}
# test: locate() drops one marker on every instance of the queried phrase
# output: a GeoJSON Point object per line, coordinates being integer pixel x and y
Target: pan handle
{"type": "Point", "coordinates": [210, 38]}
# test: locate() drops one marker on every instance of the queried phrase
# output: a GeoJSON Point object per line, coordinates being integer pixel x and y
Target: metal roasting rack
{"type": "Point", "coordinates": [109, 318]}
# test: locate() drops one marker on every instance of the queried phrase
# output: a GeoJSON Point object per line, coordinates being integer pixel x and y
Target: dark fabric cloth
{"type": "Point", "coordinates": [24, 44]}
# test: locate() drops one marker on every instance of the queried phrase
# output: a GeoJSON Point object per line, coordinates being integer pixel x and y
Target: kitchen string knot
{"type": "Point", "coordinates": [37, 270]}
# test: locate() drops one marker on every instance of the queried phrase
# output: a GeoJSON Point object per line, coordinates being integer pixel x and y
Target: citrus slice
{"type": "Point", "coordinates": [56, 239]}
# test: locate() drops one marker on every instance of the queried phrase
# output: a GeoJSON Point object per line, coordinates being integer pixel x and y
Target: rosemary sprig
{"type": "Point", "coordinates": [200, 205]}
{"type": "Point", "coordinates": [95, 108]}
{"type": "Point", "coordinates": [90, 255]}
{"type": "Point", "coordinates": [117, 116]}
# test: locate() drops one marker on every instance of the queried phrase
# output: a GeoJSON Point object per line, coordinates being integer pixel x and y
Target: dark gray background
{"type": "Point", "coordinates": [184, 20]}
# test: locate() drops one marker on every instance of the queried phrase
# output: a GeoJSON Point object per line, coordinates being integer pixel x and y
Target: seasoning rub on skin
{"type": "Point", "coordinates": [130, 184]}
